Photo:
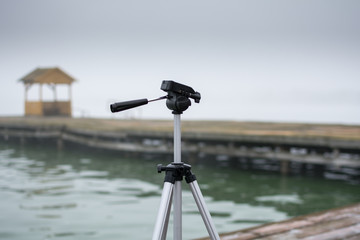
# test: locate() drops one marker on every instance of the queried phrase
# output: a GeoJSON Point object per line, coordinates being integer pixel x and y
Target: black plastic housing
{"type": "Point", "coordinates": [181, 89]}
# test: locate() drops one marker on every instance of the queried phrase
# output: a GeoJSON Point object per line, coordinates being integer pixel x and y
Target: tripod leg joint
{"type": "Point", "coordinates": [176, 171]}
{"type": "Point", "coordinates": [189, 176]}
{"type": "Point", "coordinates": [173, 172]}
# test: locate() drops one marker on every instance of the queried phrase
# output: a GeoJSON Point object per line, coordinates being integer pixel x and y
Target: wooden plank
{"type": "Point", "coordinates": [328, 225]}
{"type": "Point", "coordinates": [33, 108]}
{"type": "Point", "coordinates": [340, 223]}
{"type": "Point", "coordinates": [342, 233]}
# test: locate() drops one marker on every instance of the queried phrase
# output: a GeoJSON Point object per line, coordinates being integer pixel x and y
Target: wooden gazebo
{"type": "Point", "coordinates": [51, 77]}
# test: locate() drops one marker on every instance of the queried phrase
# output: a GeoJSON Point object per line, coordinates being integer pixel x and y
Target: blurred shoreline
{"type": "Point", "coordinates": [307, 130]}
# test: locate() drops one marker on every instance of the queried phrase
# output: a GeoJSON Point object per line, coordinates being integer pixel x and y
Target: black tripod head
{"type": "Point", "coordinates": [177, 99]}
{"type": "Point", "coordinates": [178, 96]}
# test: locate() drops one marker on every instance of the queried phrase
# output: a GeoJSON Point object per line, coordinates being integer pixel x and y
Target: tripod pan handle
{"type": "Point", "coordinates": [121, 106]}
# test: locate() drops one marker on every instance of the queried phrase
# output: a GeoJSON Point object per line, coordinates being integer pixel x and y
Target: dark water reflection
{"type": "Point", "coordinates": [82, 194]}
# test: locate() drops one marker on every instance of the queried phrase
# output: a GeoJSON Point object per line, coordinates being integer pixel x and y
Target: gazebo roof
{"type": "Point", "coordinates": [47, 75]}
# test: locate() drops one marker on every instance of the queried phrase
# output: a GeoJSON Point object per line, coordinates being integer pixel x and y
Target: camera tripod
{"type": "Point", "coordinates": [177, 101]}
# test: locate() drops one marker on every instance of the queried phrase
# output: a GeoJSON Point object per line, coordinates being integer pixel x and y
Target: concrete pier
{"type": "Point", "coordinates": [298, 146]}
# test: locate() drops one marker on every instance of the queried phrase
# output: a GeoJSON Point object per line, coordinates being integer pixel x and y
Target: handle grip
{"type": "Point", "coordinates": [121, 106]}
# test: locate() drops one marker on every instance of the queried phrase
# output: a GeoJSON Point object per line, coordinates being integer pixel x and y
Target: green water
{"type": "Point", "coordinates": [85, 194]}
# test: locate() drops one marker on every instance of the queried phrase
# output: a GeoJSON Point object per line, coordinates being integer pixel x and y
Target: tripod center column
{"type": "Point", "coordinates": [177, 198]}
{"type": "Point", "coordinates": [177, 138]}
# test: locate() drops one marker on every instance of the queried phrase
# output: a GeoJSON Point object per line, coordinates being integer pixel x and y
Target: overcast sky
{"type": "Point", "coordinates": [292, 61]}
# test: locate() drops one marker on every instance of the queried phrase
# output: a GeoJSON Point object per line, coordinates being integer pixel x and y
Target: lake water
{"type": "Point", "coordinates": [83, 194]}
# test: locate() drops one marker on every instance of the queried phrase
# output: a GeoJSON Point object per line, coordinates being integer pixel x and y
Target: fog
{"type": "Point", "coordinates": [289, 61]}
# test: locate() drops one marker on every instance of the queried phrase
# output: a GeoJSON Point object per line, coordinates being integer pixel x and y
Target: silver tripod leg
{"type": "Point", "coordinates": [205, 214]}
{"type": "Point", "coordinates": [162, 220]}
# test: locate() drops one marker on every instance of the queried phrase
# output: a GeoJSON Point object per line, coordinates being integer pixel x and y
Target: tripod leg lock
{"type": "Point", "coordinates": [189, 176]}
{"type": "Point", "coordinates": [169, 177]}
